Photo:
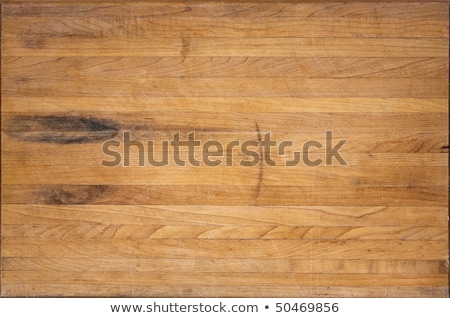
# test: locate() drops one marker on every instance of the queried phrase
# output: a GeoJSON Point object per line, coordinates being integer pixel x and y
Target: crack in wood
{"type": "Point", "coordinates": [261, 164]}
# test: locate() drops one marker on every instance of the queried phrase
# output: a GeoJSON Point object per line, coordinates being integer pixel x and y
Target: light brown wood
{"type": "Point", "coordinates": [232, 87]}
{"type": "Point", "coordinates": [236, 8]}
{"type": "Point", "coordinates": [156, 215]}
{"type": "Point", "coordinates": [227, 291]}
{"type": "Point", "coordinates": [208, 265]}
{"type": "Point", "coordinates": [256, 249]}
{"type": "Point", "coordinates": [147, 27]}
{"type": "Point", "coordinates": [212, 47]}
{"type": "Point", "coordinates": [107, 104]}
{"type": "Point", "coordinates": [224, 232]}
{"type": "Point", "coordinates": [223, 195]}
{"type": "Point", "coordinates": [104, 68]}
{"type": "Point", "coordinates": [229, 279]}
{"type": "Point", "coordinates": [76, 74]}
{"type": "Point", "coordinates": [273, 176]}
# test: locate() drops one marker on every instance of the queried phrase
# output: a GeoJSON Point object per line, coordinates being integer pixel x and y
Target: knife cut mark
{"type": "Point", "coordinates": [61, 129]}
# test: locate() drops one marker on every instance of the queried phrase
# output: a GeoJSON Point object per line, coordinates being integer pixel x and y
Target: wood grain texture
{"type": "Point", "coordinates": [295, 8]}
{"type": "Point", "coordinates": [227, 291]}
{"type": "Point", "coordinates": [179, 27]}
{"type": "Point", "coordinates": [212, 47]}
{"type": "Point", "coordinates": [77, 74]}
{"type": "Point", "coordinates": [103, 68]}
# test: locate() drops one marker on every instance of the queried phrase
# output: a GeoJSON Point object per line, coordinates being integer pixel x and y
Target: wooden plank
{"type": "Point", "coordinates": [119, 104]}
{"type": "Point", "coordinates": [170, 122]}
{"type": "Point", "coordinates": [301, 175]}
{"type": "Point", "coordinates": [246, 87]}
{"type": "Point", "coordinates": [227, 9]}
{"type": "Point", "coordinates": [226, 279]}
{"type": "Point", "coordinates": [37, 159]}
{"type": "Point", "coordinates": [364, 144]}
{"type": "Point", "coordinates": [222, 195]}
{"type": "Point", "coordinates": [148, 27]}
{"type": "Point", "coordinates": [99, 290]}
{"type": "Point", "coordinates": [211, 47]}
{"type": "Point", "coordinates": [270, 216]}
{"type": "Point", "coordinates": [190, 265]}
{"type": "Point", "coordinates": [33, 68]}
{"type": "Point", "coordinates": [93, 231]}
{"type": "Point", "coordinates": [256, 249]}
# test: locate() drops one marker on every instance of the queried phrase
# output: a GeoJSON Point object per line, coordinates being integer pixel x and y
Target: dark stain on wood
{"type": "Point", "coordinates": [71, 194]}
{"type": "Point", "coordinates": [442, 267]}
{"type": "Point", "coordinates": [61, 129]}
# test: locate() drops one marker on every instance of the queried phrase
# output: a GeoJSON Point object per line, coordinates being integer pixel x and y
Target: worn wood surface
{"type": "Point", "coordinates": [76, 74]}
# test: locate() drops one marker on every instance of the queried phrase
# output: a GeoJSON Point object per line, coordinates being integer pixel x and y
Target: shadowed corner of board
{"type": "Point", "coordinates": [61, 129]}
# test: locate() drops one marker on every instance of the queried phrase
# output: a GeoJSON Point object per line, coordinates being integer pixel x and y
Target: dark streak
{"type": "Point", "coordinates": [444, 148]}
{"type": "Point", "coordinates": [261, 163]}
{"type": "Point", "coordinates": [71, 194]}
{"type": "Point", "coordinates": [61, 129]}
{"type": "Point", "coordinates": [442, 267]}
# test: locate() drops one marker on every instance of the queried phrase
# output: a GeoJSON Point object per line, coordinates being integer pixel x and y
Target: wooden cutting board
{"type": "Point", "coordinates": [358, 90]}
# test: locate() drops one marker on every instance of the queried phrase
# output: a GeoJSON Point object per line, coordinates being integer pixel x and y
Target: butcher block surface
{"type": "Point", "coordinates": [368, 78]}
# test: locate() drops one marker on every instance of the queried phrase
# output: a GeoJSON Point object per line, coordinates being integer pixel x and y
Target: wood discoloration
{"type": "Point", "coordinates": [34, 43]}
{"type": "Point", "coordinates": [229, 195]}
{"type": "Point", "coordinates": [67, 194]}
{"type": "Point", "coordinates": [61, 129]}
